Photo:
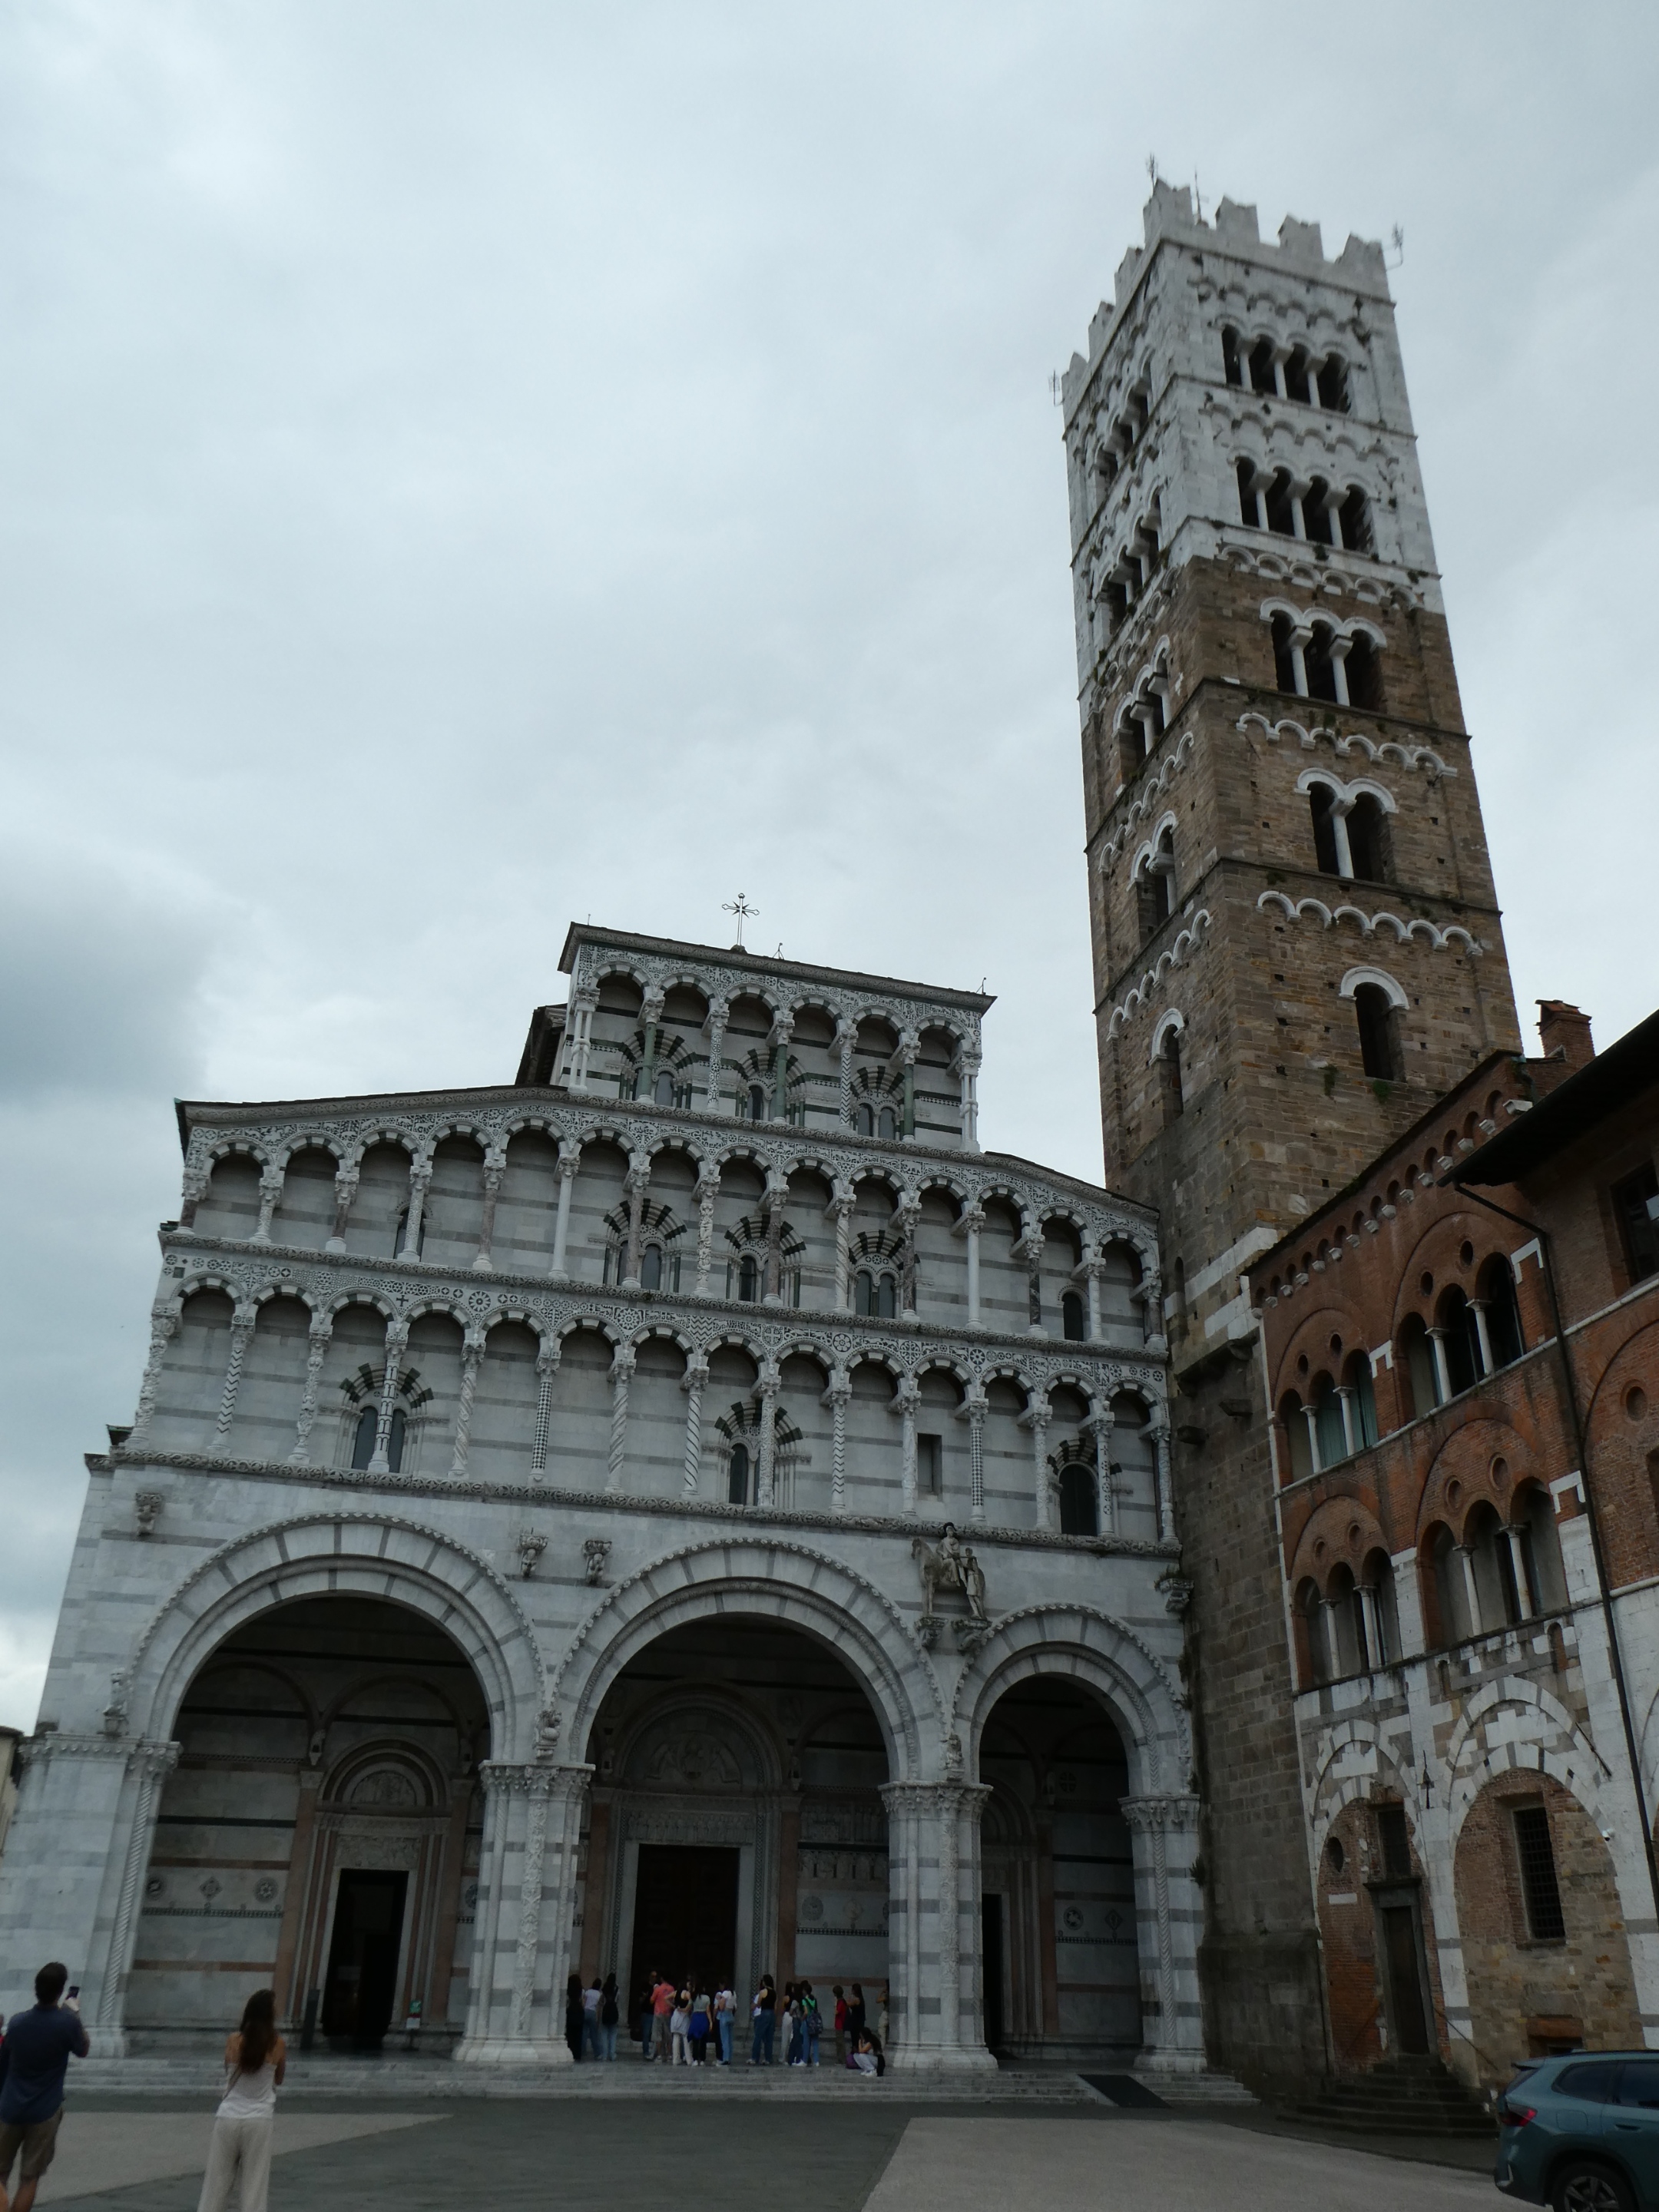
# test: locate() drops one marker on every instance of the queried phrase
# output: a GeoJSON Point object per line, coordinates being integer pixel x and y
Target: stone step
{"type": "Point", "coordinates": [441, 2080]}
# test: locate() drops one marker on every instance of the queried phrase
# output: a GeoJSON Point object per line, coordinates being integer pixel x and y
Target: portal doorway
{"type": "Point", "coordinates": [1403, 1952]}
{"type": "Point", "coordinates": [685, 1916]}
{"type": "Point", "coordinates": [363, 1959]}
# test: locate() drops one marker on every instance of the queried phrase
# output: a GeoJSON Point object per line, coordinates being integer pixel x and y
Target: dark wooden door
{"type": "Point", "coordinates": [686, 1917]}
{"type": "Point", "coordinates": [1400, 1946]}
{"type": "Point", "coordinates": [363, 1959]}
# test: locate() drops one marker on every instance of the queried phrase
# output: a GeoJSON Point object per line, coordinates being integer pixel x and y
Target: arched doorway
{"type": "Point", "coordinates": [736, 1825]}
{"type": "Point", "coordinates": [320, 1833]}
{"type": "Point", "coordinates": [1061, 1963]}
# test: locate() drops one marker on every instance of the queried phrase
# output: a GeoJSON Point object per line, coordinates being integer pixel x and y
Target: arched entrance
{"type": "Point", "coordinates": [1059, 1937]}
{"type": "Point", "coordinates": [320, 1832]}
{"type": "Point", "coordinates": [736, 1825]}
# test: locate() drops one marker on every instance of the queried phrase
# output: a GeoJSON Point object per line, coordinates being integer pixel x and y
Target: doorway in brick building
{"type": "Point", "coordinates": [685, 1915]}
{"type": "Point", "coordinates": [1404, 1973]}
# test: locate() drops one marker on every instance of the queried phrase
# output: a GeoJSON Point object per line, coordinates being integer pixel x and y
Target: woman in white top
{"type": "Point", "coordinates": [256, 2059]}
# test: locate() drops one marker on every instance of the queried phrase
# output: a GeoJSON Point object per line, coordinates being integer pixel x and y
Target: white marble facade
{"type": "Point", "coordinates": [717, 1317]}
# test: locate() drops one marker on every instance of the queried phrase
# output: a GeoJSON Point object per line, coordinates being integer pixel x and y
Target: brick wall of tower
{"type": "Point", "coordinates": [1277, 1111]}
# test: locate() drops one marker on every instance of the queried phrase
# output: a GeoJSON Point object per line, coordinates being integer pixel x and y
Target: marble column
{"type": "Point", "coordinates": [635, 1184]}
{"type": "Point", "coordinates": [317, 1343]}
{"type": "Point", "coordinates": [495, 1168]}
{"type": "Point", "coordinates": [838, 1397]}
{"type": "Point", "coordinates": [713, 1098]}
{"type": "Point", "coordinates": [163, 1327]}
{"type": "Point", "coordinates": [906, 1399]}
{"type": "Point", "coordinates": [620, 1376]}
{"type": "Point", "coordinates": [971, 1221]}
{"type": "Point", "coordinates": [1099, 1427]}
{"type": "Point", "coordinates": [397, 1343]}
{"type": "Point", "coordinates": [472, 1351]}
{"type": "Point", "coordinates": [241, 1328]}
{"type": "Point", "coordinates": [1036, 1418]}
{"type": "Point", "coordinates": [148, 1764]}
{"type": "Point", "coordinates": [968, 1068]}
{"type": "Point", "coordinates": [1168, 1915]}
{"type": "Point", "coordinates": [973, 1410]}
{"type": "Point", "coordinates": [936, 2009]}
{"type": "Point", "coordinates": [840, 1206]}
{"type": "Point", "coordinates": [523, 1936]}
{"type": "Point", "coordinates": [547, 1366]}
{"type": "Point", "coordinates": [272, 1179]}
{"type": "Point", "coordinates": [766, 1442]}
{"type": "Point", "coordinates": [345, 1191]}
{"type": "Point", "coordinates": [571, 1153]}
{"type": "Point", "coordinates": [707, 1191]}
{"type": "Point", "coordinates": [846, 1040]}
{"type": "Point", "coordinates": [420, 1182]}
{"type": "Point", "coordinates": [693, 1382]}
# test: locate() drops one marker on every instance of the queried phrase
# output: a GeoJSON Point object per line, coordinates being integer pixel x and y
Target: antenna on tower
{"type": "Point", "coordinates": [1055, 392]}
{"type": "Point", "coordinates": [1198, 197]}
{"type": "Point", "coordinates": [1151, 166]}
{"type": "Point", "coordinates": [740, 907]}
{"type": "Point", "coordinates": [1397, 244]}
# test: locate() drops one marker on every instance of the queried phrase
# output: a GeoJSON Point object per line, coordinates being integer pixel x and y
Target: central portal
{"type": "Point", "coordinates": [685, 1916]}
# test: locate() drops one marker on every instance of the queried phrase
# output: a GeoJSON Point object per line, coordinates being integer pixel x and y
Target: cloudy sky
{"type": "Point", "coordinates": [471, 465]}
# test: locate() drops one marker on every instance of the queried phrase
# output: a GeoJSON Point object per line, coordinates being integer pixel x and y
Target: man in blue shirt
{"type": "Point", "coordinates": [34, 2060]}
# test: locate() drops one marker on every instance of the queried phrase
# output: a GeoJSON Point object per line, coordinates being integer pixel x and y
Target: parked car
{"type": "Point", "coordinates": [1582, 2133]}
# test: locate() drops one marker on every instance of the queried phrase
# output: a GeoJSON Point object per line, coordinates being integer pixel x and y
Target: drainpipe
{"type": "Point", "coordinates": [1581, 1446]}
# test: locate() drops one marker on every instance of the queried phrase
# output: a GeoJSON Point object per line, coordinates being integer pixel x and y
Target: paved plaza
{"type": "Point", "coordinates": [887, 2154]}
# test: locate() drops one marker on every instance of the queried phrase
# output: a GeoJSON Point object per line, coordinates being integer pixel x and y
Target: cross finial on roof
{"type": "Point", "coordinates": [740, 907]}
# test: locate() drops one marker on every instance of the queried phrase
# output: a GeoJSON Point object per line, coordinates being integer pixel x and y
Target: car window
{"type": "Point", "coordinates": [1639, 2082]}
{"type": "Point", "coordinates": [1595, 2084]}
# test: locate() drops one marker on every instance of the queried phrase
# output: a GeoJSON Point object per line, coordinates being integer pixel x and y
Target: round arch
{"type": "Point", "coordinates": [354, 1555]}
{"type": "Point", "coordinates": [1100, 1654]}
{"type": "Point", "coordinates": [789, 1583]}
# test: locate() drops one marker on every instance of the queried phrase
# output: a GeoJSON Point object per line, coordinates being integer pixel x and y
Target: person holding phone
{"type": "Point", "coordinates": [34, 2060]}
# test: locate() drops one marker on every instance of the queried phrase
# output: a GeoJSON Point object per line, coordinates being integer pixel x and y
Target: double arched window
{"type": "Point", "coordinates": [1350, 829]}
{"type": "Point", "coordinates": [362, 1440]}
{"type": "Point", "coordinates": [871, 1120]}
{"type": "Point", "coordinates": [1280, 372]}
{"type": "Point", "coordinates": [875, 1293]}
{"type": "Point", "coordinates": [1155, 884]}
{"type": "Point", "coordinates": [1316, 660]}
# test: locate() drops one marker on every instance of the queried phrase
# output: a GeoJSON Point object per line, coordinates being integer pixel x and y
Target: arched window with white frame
{"type": "Point", "coordinates": [1166, 1059]}
{"type": "Point", "coordinates": [1378, 1004]}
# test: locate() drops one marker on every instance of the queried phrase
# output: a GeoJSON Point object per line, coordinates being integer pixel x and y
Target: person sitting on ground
{"type": "Point", "coordinates": [34, 2060]}
{"type": "Point", "coordinates": [238, 2155]}
{"type": "Point", "coordinates": [867, 2058]}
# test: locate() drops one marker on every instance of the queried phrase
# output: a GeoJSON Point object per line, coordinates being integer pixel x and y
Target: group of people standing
{"type": "Point", "coordinates": [687, 2025]}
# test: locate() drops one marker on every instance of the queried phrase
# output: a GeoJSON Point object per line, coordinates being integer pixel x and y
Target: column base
{"type": "Point", "coordinates": [1152, 2065]}
{"type": "Point", "coordinates": [964, 2059]}
{"type": "Point", "coordinates": [505, 2051]}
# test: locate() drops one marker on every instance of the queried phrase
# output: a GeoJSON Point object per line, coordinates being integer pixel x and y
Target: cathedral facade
{"type": "Point", "coordinates": [690, 1509]}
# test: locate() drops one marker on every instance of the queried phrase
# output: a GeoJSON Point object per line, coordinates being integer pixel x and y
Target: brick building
{"type": "Point", "coordinates": [1462, 1353]}
{"type": "Point", "coordinates": [1297, 943]}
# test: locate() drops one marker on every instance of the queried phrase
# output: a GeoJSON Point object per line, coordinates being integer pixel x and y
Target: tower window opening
{"type": "Point", "coordinates": [1321, 671]}
{"type": "Point", "coordinates": [1252, 508]}
{"type": "Point", "coordinates": [1169, 1067]}
{"type": "Point", "coordinates": [737, 1477]}
{"type": "Point", "coordinates": [1261, 367]}
{"type": "Point", "coordinates": [1368, 839]}
{"type": "Point", "coordinates": [1364, 674]}
{"type": "Point", "coordinates": [651, 1268]}
{"type": "Point", "coordinates": [1280, 520]}
{"type": "Point", "coordinates": [664, 1092]}
{"type": "Point", "coordinates": [1355, 518]}
{"type": "Point", "coordinates": [1460, 1341]}
{"type": "Point", "coordinates": [1155, 889]}
{"type": "Point", "coordinates": [1379, 1050]}
{"type": "Point", "coordinates": [757, 1102]}
{"type": "Point", "coordinates": [1296, 380]}
{"type": "Point", "coordinates": [1321, 805]}
{"type": "Point", "coordinates": [1496, 1287]}
{"type": "Point", "coordinates": [1333, 385]}
{"type": "Point", "coordinates": [1072, 1319]}
{"type": "Point", "coordinates": [1317, 512]}
{"type": "Point", "coordinates": [748, 1279]}
{"type": "Point", "coordinates": [1232, 367]}
{"type": "Point", "coordinates": [864, 1118]}
{"type": "Point", "coordinates": [1362, 1398]}
{"type": "Point", "coordinates": [887, 1125]}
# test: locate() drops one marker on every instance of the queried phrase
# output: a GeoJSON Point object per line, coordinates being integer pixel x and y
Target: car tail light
{"type": "Point", "coordinates": [1515, 2116]}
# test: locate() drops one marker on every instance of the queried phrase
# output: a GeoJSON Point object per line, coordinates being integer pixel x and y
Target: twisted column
{"type": "Point", "coordinates": [692, 1382]}
{"type": "Point", "coordinates": [317, 1343]}
{"type": "Point", "coordinates": [241, 1328]}
{"type": "Point", "coordinates": [472, 1351]}
{"type": "Point", "coordinates": [635, 1184]}
{"type": "Point", "coordinates": [1158, 1430]}
{"type": "Point", "coordinates": [1099, 1425]}
{"type": "Point", "coordinates": [847, 1039]}
{"type": "Point", "coordinates": [838, 1397]}
{"type": "Point", "coordinates": [622, 1375]}
{"type": "Point", "coordinates": [397, 1342]}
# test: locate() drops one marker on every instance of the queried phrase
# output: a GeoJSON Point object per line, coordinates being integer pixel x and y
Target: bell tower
{"type": "Point", "coordinates": [1295, 936]}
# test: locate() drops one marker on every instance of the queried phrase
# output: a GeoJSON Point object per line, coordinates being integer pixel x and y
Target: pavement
{"type": "Point", "coordinates": [882, 2152]}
